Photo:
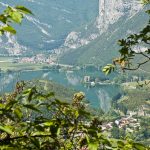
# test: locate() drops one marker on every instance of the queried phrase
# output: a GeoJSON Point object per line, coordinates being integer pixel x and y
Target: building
{"type": "Point", "coordinates": [87, 79]}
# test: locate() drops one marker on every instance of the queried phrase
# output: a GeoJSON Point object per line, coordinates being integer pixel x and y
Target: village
{"type": "Point", "coordinates": [39, 58]}
{"type": "Point", "coordinates": [129, 122]}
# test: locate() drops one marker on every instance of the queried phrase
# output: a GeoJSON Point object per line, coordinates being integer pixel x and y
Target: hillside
{"type": "Point", "coordinates": [104, 48]}
{"type": "Point", "coordinates": [136, 95]}
{"type": "Point", "coordinates": [60, 91]}
{"type": "Point", "coordinates": [48, 27]}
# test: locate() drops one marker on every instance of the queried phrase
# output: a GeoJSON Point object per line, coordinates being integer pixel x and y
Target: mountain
{"type": "Point", "coordinates": [97, 42]}
{"type": "Point", "coordinates": [104, 47]}
{"type": "Point", "coordinates": [61, 92]}
{"type": "Point", "coordinates": [53, 20]}
{"type": "Point", "coordinates": [73, 33]}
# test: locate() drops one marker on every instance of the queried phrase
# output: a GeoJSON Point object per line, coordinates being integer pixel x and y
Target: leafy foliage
{"type": "Point", "coordinates": [31, 119]}
{"type": "Point", "coordinates": [109, 68]}
{"type": "Point", "coordinates": [12, 15]}
{"type": "Point", "coordinates": [132, 47]}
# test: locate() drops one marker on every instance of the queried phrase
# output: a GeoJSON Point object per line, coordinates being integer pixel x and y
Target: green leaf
{"type": "Point", "coordinates": [61, 102]}
{"type": "Point", "coordinates": [122, 42]}
{"type": "Point", "coordinates": [10, 104]}
{"type": "Point", "coordinates": [32, 107]}
{"type": "Point", "coordinates": [124, 51]}
{"type": "Point", "coordinates": [31, 93]}
{"type": "Point", "coordinates": [1, 32]}
{"type": "Point", "coordinates": [6, 129]}
{"type": "Point", "coordinates": [108, 69]}
{"type": "Point", "coordinates": [39, 133]}
{"type": "Point", "coordinates": [44, 97]}
{"type": "Point", "coordinates": [58, 131]}
{"type": "Point", "coordinates": [35, 142]}
{"type": "Point", "coordinates": [18, 113]}
{"type": "Point", "coordinates": [10, 116]}
{"type": "Point", "coordinates": [139, 146]}
{"type": "Point", "coordinates": [93, 145]}
{"type": "Point", "coordinates": [2, 106]}
{"type": "Point", "coordinates": [76, 114]}
{"type": "Point", "coordinates": [6, 147]}
{"type": "Point", "coordinates": [48, 123]}
{"type": "Point", "coordinates": [82, 112]}
{"type": "Point", "coordinates": [9, 29]}
{"type": "Point", "coordinates": [148, 51]}
{"type": "Point", "coordinates": [145, 2]}
{"type": "Point", "coordinates": [148, 11]}
{"type": "Point", "coordinates": [3, 18]}
{"type": "Point", "coordinates": [26, 91]}
{"type": "Point", "coordinates": [120, 144]}
{"type": "Point", "coordinates": [16, 16]}
{"type": "Point", "coordinates": [109, 148]}
{"type": "Point", "coordinates": [24, 10]}
{"type": "Point", "coordinates": [54, 130]}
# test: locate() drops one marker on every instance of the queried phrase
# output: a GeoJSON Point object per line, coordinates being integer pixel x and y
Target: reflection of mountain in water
{"type": "Point", "coordinates": [104, 100]}
{"type": "Point", "coordinates": [5, 81]}
{"type": "Point", "coordinates": [99, 96]}
{"type": "Point", "coordinates": [45, 75]}
{"type": "Point", "coordinates": [72, 79]}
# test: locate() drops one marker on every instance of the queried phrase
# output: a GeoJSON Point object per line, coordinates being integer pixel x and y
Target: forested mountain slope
{"type": "Point", "coordinates": [104, 48]}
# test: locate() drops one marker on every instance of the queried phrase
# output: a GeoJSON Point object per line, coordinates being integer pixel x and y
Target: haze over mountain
{"type": "Point", "coordinates": [53, 20]}
{"type": "Point", "coordinates": [74, 33]}
{"type": "Point", "coordinates": [97, 42]}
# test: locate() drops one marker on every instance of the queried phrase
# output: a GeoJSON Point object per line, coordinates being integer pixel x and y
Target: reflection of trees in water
{"type": "Point", "coordinates": [104, 99]}
{"type": "Point", "coordinates": [73, 79]}
{"type": "Point", "coordinates": [45, 75]}
{"type": "Point", "coordinates": [9, 80]}
{"type": "Point", "coordinates": [5, 81]}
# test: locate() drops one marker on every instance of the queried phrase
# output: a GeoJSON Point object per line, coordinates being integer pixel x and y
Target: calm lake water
{"type": "Point", "coordinates": [98, 96]}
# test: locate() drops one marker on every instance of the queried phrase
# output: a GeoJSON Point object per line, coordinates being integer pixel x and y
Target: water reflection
{"type": "Point", "coordinates": [73, 79]}
{"type": "Point", "coordinates": [104, 99]}
{"type": "Point", "coordinates": [45, 75]}
{"type": "Point", "coordinates": [5, 81]}
{"type": "Point", "coordinates": [99, 96]}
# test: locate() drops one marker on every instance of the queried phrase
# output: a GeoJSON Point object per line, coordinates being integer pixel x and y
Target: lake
{"type": "Point", "coordinates": [99, 96]}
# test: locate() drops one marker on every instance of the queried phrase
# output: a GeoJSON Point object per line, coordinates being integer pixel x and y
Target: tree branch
{"type": "Point", "coordinates": [145, 55]}
{"type": "Point", "coordinates": [139, 65]}
{"type": "Point", "coordinates": [25, 136]}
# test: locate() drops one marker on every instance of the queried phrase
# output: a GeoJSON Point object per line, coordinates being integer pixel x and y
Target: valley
{"type": "Point", "coordinates": [58, 55]}
{"type": "Point", "coordinates": [69, 77]}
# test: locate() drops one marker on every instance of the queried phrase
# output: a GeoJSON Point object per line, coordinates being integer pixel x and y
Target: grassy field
{"type": "Point", "coordinates": [5, 66]}
{"type": "Point", "coordinates": [134, 85]}
{"type": "Point", "coordinates": [6, 63]}
{"type": "Point", "coordinates": [61, 92]}
{"type": "Point", "coordinates": [136, 94]}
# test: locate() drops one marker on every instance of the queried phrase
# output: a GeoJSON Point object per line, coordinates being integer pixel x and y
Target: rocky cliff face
{"type": "Point", "coordinates": [110, 11]}
{"type": "Point", "coordinates": [48, 28]}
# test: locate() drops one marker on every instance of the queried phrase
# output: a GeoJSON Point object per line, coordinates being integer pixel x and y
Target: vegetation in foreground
{"type": "Point", "coordinates": [32, 119]}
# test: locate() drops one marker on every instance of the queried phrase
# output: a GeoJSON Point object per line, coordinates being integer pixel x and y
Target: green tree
{"type": "Point", "coordinates": [32, 119]}
{"type": "Point", "coordinates": [10, 16]}
{"type": "Point", "coordinates": [133, 47]}
{"type": "Point", "coordinates": [134, 53]}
